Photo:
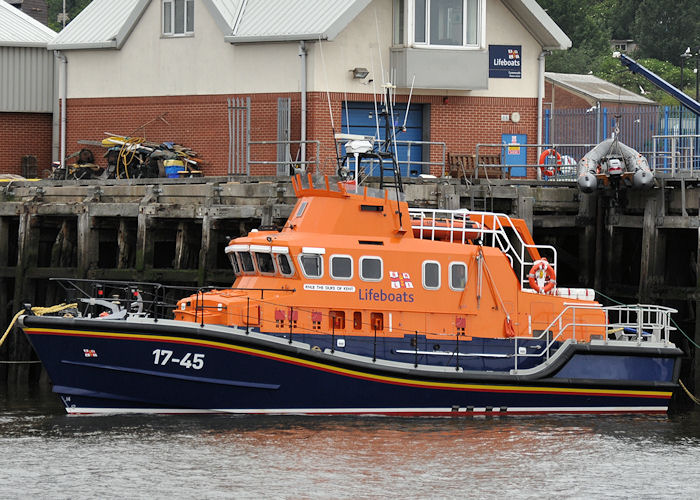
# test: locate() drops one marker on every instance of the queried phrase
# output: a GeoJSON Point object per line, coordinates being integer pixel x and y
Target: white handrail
{"type": "Point", "coordinates": [644, 320]}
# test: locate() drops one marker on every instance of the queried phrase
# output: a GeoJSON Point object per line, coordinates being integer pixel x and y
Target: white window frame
{"type": "Point", "coordinates": [171, 33]}
{"type": "Point", "coordinates": [252, 258]}
{"type": "Point", "coordinates": [381, 268]}
{"type": "Point", "coordinates": [352, 267]}
{"type": "Point", "coordinates": [422, 277]}
{"type": "Point", "coordinates": [449, 275]}
{"type": "Point", "coordinates": [234, 257]}
{"type": "Point", "coordinates": [301, 265]}
{"type": "Point", "coordinates": [410, 28]}
{"type": "Point", "coordinates": [257, 264]}
{"type": "Point", "coordinates": [276, 255]}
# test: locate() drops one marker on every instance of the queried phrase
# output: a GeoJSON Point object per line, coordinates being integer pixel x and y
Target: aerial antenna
{"type": "Point", "coordinates": [408, 106]}
{"type": "Point", "coordinates": [374, 95]}
{"type": "Point", "coordinates": [328, 98]}
{"type": "Point", "coordinates": [345, 96]}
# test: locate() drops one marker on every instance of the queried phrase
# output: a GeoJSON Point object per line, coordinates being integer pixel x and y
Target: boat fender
{"type": "Point", "coordinates": [542, 278]}
{"type": "Point", "coordinates": [550, 170]}
{"type": "Point", "coordinates": [509, 329]}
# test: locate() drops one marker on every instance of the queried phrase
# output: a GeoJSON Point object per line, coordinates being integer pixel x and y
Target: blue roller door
{"type": "Point", "coordinates": [360, 116]}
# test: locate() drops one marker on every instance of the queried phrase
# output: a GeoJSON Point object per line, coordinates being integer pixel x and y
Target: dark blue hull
{"type": "Point", "coordinates": [124, 366]}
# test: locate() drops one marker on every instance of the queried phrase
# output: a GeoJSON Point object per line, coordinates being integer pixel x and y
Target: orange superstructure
{"type": "Point", "coordinates": [358, 264]}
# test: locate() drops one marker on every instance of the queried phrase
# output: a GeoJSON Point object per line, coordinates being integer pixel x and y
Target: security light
{"type": "Point", "coordinates": [359, 73]}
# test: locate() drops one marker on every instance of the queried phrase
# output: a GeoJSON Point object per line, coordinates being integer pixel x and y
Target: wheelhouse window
{"type": "Point", "coordinates": [265, 263]}
{"type": "Point", "coordinates": [311, 265]}
{"type": "Point", "coordinates": [431, 275]}
{"type": "Point", "coordinates": [285, 265]}
{"type": "Point", "coordinates": [246, 261]}
{"type": "Point", "coordinates": [371, 269]}
{"type": "Point", "coordinates": [234, 263]}
{"type": "Point", "coordinates": [178, 17]}
{"type": "Point", "coordinates": [341, 267]}
{"type": "Point", "coordinates": [458, 275]}
{"type": "Point", "coordinates": [448, 23]}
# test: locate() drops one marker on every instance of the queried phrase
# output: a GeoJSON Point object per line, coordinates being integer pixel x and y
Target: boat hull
{"type": "Point", "coordinates": [100, 366]}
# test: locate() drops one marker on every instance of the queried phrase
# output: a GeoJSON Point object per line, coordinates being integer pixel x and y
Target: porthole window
{"type": "Point", "coordinates": [458, 275]}
{"type": "Point", "coordinates": [341, 267]}
{"type": "Point", "coordinates": [431, 275]}
{"type": "Point", "coordinates": [246, 261]}
{"type": "Point", "coordinates": [265, 263]}
{"type": "Point", "coordinates": [311, 265]}
{"type": "Point", "coordinates": [285, 265]}
{"type": "Point", "coordinates": [371, 268]}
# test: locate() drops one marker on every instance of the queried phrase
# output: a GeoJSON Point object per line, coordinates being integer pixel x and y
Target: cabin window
{"type": "Point", "coordinates": [341, 267]}
{"type": "Point", "coordinates": [246, 262]}
{"type": "Point", "coordinates": [178, 17]}
{"type": "Point", "coordinates": [265, 263]}
{"type": "Point", "coordinates": [302, 207]}
{"type": "Point", "coordinates": [311, 265]}
{"type": "Point", "coordinates": [458, 275]}
{"type": "Point", "coordinates": [234, 263]}
{"type": "Point", "coordinates": [337, 320]}
{"type": "Point", "coordinates": [285, 265]}
{"type": "Point", "coordinates": [357, 320]}
{"type": "Point", "coordinates": [443, 22]}
{"type": "Point", "coordinates": [371, 268]}
{"type": "Point", "coordinates": [431, 275]}
{"type": "Point", "coordinates": [377, 321]}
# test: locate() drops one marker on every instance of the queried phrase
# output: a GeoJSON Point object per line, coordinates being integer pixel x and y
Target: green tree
{"type": "Point", "coordinates": [73, 8]}
{"type": "Point", "coordinates": [664, 28]}
{"type": "Point", "coordinates": [589, 36]}
{"type": "Point", "coordinates": [611, 70]}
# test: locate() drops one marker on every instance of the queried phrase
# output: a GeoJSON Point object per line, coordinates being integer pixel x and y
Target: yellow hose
{"type": "Point", "coordinates": [693, 398]}
{"type": "Point", "coordinates": [38, 311]}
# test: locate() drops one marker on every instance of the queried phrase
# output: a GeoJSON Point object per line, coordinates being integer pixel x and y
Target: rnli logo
{"type": "Point", "coordinates": [90, 353]}
{"type": "Point", "coordinates": [400, 280]}
{"type": "Point", "coordinates": [513, 54]}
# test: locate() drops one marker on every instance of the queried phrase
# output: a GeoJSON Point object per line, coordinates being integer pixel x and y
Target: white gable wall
{"type": "Point", "coordinates": [149, 65]}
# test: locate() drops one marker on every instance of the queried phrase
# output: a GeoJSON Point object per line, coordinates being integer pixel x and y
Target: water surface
{"type": "Point", "coordinates": [45, 453]}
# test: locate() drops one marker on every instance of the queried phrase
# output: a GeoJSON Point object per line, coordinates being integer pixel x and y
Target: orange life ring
{"type": "Point", "coordinates": [550, 171]}
{"type": "Point", "coordinates": [544, 271]}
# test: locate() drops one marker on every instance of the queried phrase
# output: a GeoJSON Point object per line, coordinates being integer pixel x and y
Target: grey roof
{"type": "Point", "coordinates": [108, 23]}
{"type": "Point", "coordinates": [287, 20]}
{"type": "Point", "coordinates": [17, 29]}
{"type": "Point", "coordinates": [539, 24]}
{"type": "Point", "coordinates": [103, 24]}
{"type": "Point", "coordinates": [595, 88]}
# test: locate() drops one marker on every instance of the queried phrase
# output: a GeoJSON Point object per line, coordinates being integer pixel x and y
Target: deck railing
{"type": "Point", "coordinates": [492, 229]}
{"type": "Point", "coordinates": [635, 323]}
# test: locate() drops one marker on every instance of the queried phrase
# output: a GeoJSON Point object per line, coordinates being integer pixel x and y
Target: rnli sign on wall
{"type": "Point", "coordinates": [505, 61]}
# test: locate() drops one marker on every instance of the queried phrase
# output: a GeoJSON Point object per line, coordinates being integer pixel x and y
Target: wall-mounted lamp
{"type": "Point", "coordinates": [359, 73]}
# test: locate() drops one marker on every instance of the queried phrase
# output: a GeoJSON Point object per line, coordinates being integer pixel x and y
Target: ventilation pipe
{"type": "Point", "coordinates": [540, 99]}
{"type": "Point", "coordinates": [302, 54]}
{"type": "Point", "coordinates": [64, 94]}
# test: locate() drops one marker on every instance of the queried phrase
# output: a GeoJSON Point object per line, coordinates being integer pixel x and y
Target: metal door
{"type": "Point", "coordinates": [360, 119]}
{"type": "Point", "coordinates": [515, 154]}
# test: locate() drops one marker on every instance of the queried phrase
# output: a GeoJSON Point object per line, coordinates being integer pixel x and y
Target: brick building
{"type": "Point", "coordinates": [36, 9]}
{"type": "Point", "coordinates": [26, 93]}
{"type": "Point", "coordinates": [165, 70]}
